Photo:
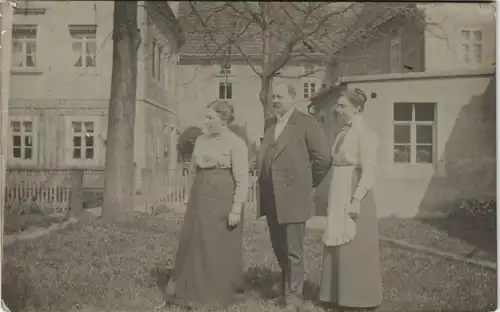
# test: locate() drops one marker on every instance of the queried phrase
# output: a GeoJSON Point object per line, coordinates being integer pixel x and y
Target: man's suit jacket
{"type": "Point", "coordinates": [301, 161]}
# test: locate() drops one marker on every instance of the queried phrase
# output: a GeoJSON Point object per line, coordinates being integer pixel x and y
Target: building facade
{"type": "Point", "coordinates": [201, 83]}
{"type": "Point", "coordinates": [460, 36]}
{"type": "Point", "coordinates": [437, 138]}
{"type": "Point", "coordinates": [61, 78]}
{"type": "Point", "coordinates": [395, 43]}
{"type": "Point", "coordinates": [397, 47]}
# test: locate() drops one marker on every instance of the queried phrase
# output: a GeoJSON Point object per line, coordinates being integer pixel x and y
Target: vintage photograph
{"type": "Point", "coordinates": [248, 156]}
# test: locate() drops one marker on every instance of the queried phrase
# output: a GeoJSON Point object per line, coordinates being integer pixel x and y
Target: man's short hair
{"type": "Point", "coordinates": [289, 86]}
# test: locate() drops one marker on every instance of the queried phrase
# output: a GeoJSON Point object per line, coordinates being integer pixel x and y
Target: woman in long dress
{"type": "Point", "coordinates": [351, 276]}
{"type": "Point", "coordinates": [208, 268]}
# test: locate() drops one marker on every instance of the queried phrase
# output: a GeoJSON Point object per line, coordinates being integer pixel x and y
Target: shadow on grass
{"type": "Point", "coordinates": [473, 222]}
{"type": "Point", "coordinates": [262, 280]}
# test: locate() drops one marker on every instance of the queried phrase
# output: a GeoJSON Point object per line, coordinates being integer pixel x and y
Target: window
{"type": "Point", "coordinates": [225, 69]}
{"type": "Point", "coordinates": [23, 137]}
{"type": "Point", "coordinates": [24, 46]}
{"type": "Point", "coordinates": [395, 54]}
{"type": "Point", "coordinates": [414, 133]}
{"type": "Point", "coordinates": [157, 61]}
{"type": "Point", "coordinates": [225, 90]}
{"type": "Point", "coordinates": [309, 89]}
{"type": "Point", "coordinates": [471, 46]}
{"type": "Point", "coordinates": [84, 45]}
{"type": "Point", "coordinates": [83, 140]}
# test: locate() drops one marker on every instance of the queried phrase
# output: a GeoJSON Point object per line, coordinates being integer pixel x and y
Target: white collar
{"type": "Point", "coordinates": [356, 120]}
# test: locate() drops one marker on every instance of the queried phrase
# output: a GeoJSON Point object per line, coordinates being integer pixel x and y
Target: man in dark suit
{"type": "Point", "coordinates": [293, 159]}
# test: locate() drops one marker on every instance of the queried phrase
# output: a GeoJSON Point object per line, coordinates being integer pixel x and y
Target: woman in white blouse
{"type": "Point", "coordinates": [208, 266]}
{"type": "Point", "coordinates": [351, 276]}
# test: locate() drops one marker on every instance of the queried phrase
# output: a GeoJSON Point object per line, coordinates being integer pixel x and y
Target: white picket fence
{"type": "Point", "coordinates": [50, 189]}
{"type": "Point", "coordinates": [47, 189]}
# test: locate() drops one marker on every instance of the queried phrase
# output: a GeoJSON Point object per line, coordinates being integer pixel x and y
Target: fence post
{"type": "Point", "coordinates": [76, 197]}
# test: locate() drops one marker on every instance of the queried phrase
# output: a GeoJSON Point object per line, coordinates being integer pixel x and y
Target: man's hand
{"type": "Point", "coordinates": [354, 208]}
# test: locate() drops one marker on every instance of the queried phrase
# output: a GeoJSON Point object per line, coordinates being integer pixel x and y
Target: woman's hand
{"type": "Point", "coordinates": [354, 208]}
{"type": "Point", "coordinates": [233, 219]}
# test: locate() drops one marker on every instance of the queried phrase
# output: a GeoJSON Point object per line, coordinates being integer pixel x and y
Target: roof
{"type": "Point", "coordinates": [374, 15]}
{"type": "Point", "coordinates": [164, 18]}
{"type": "Point", "coordinates": [210, 24]}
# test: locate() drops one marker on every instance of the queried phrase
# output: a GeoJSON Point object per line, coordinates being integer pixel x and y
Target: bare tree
{"type": "Point", "coordinates": [285, 32]}
{"type": "Point", "coordinates": [119, 175]}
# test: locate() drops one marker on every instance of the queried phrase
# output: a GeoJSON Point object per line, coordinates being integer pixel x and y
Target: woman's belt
{"type": "Point", "coordinates": [344, 164]}
{"type": "Point", "coordinates": [213, 168]}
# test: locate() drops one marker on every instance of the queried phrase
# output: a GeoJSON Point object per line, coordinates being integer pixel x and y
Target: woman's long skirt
{"type": "Point", "coordinates": [208, 267]}
{"type": "Point", "coordinates": [351, 273]}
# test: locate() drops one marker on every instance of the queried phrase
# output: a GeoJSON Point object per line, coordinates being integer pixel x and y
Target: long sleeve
{"type": "Point", "coordinates": [368, 145]}
{"type": "Point", "coordinates": [319, 151]}
{"type": "Point", "coordinates": [240, 168]}
{"type": "Point", "coordinates": [192, 169]}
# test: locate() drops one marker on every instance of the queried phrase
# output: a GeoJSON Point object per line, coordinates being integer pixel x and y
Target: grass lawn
{"type": "Point", "coordinates": [93, 267]}
{"type": "Point", "coordinates": [22, 222]}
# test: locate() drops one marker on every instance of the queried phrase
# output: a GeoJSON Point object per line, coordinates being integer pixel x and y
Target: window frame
{"type": "Point", "coordinates": [69, 146]}
{"type": "Point", "coordinates": [471, 43]}
{"type": "Point", "coordinates": [225, 69]}
{"type": "Point", "coordinates": [34, 145]}
{"type": "Point", "coordinates": [307, 85]}
{"type": "Point", "coordinates": [157, 65]}
{"type": "Point", "coordinates": [413, 136]}
{"type": "Point", "coordinates": [20, 38]}
{"type": "Point", "coordinates": [84, 34]}
{"type": "Point", "coordinates": [226, 85]}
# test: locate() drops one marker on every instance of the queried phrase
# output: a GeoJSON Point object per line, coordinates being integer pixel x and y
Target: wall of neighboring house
{"type": "Point", "coordinates": [157, 121]}
{"type": "Point", "coordinates": [200, 84]}
{"type": "Point", "coordinates": [61, 98]}
{"type": "Point", "coordinates": [460, 36]}
{"type": "Point", "coordinates": [436, 148]}
{"type": "Point", "coordinates": [396, 43]}
{"type": "Point", "coordinates": [60, 84]}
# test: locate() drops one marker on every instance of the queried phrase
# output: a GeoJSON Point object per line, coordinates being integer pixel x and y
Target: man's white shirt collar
{"type": "Point", "coordinates": [286, 116]}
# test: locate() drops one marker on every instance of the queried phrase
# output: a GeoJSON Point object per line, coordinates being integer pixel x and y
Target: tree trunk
{"type": "Point", "coordinates": [267, 53]}
{"type": "Point", "coordinates": [119, 172]}
{"type": "Point", "coordinates": [266, 96]}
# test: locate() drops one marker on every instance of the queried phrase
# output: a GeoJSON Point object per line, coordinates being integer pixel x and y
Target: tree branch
{"type": "Point", "coordinates": [230, 39]}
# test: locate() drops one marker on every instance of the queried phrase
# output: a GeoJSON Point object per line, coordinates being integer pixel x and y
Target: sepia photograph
{"type": "Point", "coordinates": [174, 156]}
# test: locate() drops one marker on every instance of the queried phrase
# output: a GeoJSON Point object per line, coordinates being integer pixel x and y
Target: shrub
{"type": "Point", "coordinates": [478, 207]}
